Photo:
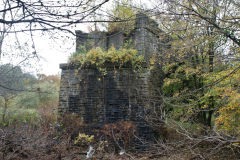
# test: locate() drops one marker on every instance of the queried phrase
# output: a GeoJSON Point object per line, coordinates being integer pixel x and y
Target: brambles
{"type": "Point", "coordinates": [121, 134]}
{"type": "Point", "coordinates": [71, 124]}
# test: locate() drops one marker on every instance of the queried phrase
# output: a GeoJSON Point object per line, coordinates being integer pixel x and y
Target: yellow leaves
{"type": "Point", "coordinates": [122, 12]}
{"type": "Point", "coordinates": [94, 56]}
{"type": "Point", "coordinates": [236, 144]}
{"type": "Point", "coordinates": [227, 100]}
{"type": "Point", "coordinates": [152, 60]}
{"type": "Point", "coordinates": [228, 119]}
{"type": "Point", "coordinates": [84, 139]}
{"type": "Point", "coordinates": [227, 90]}
{"type": "Point", "coordinates": [231, 80]}
{"type": "Point", "coordinates": [205, 106]}
{"type": "Point", "coordinates": [168, 81]}
{"type": "Point", "coordinates": [112, 58]}
{"type": "Point", "coordinates": [191, 71]}
{"type": "Point", "coordinates": [229, 113]}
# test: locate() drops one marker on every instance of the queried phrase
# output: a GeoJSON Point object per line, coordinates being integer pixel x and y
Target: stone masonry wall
{"type": "Point", "coordinates": [144, 38]}
{"type": "Point", "coordinates": [121, 94]}
{"type": "Point", "coordinates": [118, 96]}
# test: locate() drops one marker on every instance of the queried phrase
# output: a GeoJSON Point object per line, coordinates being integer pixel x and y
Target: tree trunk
{"type": "Point", "coordinates": [4, 110]}
{"type": "Point", "coordinates": [209, 120]}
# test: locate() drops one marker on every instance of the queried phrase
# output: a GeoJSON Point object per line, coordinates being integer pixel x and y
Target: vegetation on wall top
{"type": "Point", "coordinates": [122, 11]}
{"type": "Point", "coordinates": [111, 58]}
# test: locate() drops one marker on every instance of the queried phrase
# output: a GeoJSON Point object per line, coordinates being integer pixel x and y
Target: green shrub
{"type": "Point", "coordinates": [16, 115]}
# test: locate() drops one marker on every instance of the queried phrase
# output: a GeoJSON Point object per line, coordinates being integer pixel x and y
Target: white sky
{"type": "Point", "coordinates": [54, 51]}
{"type": "Point", "coordinates": [54, 55]}
{"type": "Point", "coordinates": [51, 50]}
{"type": "Point", "coordinates": [51, 57]}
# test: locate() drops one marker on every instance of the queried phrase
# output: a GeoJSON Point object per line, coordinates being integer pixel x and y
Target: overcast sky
{"type": "Point", "coordinates": [51, 49]}
{"type": "Point", "coordinates": [53, 55]}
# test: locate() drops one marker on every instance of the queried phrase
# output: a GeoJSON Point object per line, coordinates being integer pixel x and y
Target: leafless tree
{"type": "Point", "coordinates": [27, 16]}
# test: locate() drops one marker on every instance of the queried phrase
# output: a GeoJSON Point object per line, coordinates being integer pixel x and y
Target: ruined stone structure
{"type": "Point", "coordinates": [121, 95]}
{"type": "Point", "coordinates": [144, 37]}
